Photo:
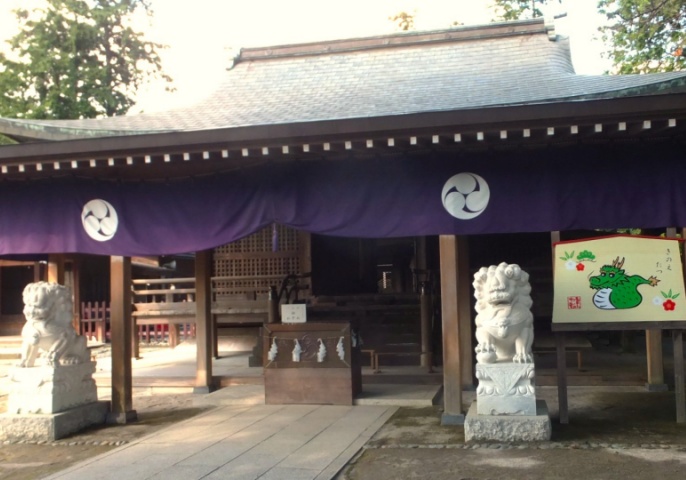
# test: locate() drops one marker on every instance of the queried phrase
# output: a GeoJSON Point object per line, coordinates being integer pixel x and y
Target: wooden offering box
{"type": "Point", "coordinates": [298, 370]}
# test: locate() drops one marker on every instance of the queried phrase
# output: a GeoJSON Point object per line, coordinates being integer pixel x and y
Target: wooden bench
{"type": "Point", "coordinates": [544, 343]}
{"type": "Point", "coordinates": [393, 351]}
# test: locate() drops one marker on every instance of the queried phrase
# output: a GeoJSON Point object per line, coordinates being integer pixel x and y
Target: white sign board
{"type": "Point", "coordinates": [293, 313]}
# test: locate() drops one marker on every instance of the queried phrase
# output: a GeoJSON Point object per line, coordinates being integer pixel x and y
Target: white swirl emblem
{"type": "Point", "coordinates": [100, 220]}
{"type": "Point", "coordinates": [465, 195]}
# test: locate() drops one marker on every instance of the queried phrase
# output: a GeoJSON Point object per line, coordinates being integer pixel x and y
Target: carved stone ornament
{"type": "Point", "coordinates": [504, 322]}
{"type": "Point", "coordinates": [506, 389]}
{"type": "Point", "coordinates": [48, 329]}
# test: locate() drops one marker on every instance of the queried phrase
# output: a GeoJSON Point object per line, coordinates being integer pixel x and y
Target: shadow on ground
{"type": "Point", "coordinates": [611, 435]}
{"type": "Point", "coordinates": [28, 461]}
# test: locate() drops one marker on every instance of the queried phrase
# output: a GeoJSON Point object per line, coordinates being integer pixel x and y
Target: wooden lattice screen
{"type": "Point", "coordinates": [249, 266]}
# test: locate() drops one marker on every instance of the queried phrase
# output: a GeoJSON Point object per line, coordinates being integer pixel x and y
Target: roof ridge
{"type": "Point", "coordinates": [401, 39]}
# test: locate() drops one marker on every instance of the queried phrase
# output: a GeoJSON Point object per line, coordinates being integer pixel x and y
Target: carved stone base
{"type": "Point", "coordinates": [508, 428]}
{"type": "Point", "coordinates": [506, 389]}
{"type": "Point", "coordinates": [45, 390]}
{"type": "Point", "coordinates": [50, 427]}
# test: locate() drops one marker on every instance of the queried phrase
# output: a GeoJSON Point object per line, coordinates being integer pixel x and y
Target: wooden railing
{"type": "Point", "coordinates": [164, 309]}
{"type": "Point", "coordinates": [169, 304]}
{"type": "Point", "coordinates": [94, 319]}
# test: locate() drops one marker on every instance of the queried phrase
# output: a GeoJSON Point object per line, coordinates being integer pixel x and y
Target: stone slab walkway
{"type": "Point", "coordinates": [244, 442]}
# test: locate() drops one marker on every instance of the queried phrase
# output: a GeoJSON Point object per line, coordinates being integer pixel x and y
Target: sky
{"type": "Point", "coordinates": [203, 35]}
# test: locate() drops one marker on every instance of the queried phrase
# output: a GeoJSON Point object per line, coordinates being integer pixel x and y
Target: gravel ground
{"type": "Point", "coordinates": [613, 434]}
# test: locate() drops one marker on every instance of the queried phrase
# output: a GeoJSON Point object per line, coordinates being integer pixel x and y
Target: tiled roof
{"type": "Point", "coordinates": [518, 63]}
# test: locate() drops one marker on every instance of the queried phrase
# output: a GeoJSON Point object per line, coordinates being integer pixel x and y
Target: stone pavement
{"type": "Point", "coordinates": [615, 432]}
{"type": "Point", "coordinates": [244, 442]}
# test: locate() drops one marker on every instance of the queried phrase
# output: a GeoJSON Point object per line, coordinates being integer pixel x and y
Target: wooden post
{"type": "Point", "coordinates": [656, 371]}
{"type": "Point", "coordinates": [464, 315]}
{"type": "Point", "coordinates": [426, 359]}
{"type": "Point", "coordinates": [453, 413]}
{"type": "Point", "coordinates": [654, 356]}
{"type": "Point", "coordinates": [76, 294]}
{"type": "Point", "coordinates": [273, 305]}
{"type": "Point", "coordinates": [120, 335]}
{"type": "Point", "coordinates": [203, 321]}
{"type": "Point", "coordinates": [37, 272]}
{"type": "Point", "coordinates": [680, 394]}
{"type": "Point", "coordinates": [563, 408]}
{"type": "Point", "coordinates": [56, 268]}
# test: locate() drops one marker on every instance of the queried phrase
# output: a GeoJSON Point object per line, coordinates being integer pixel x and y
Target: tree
{"type": "Point", "coordinates": [77, 59]}
{"type": "Point", "coordinates": [519, 9]}
{"type": "Point", "coordinates": [403, 20]}
{"type": "Point", "coordinates": [645, 35]}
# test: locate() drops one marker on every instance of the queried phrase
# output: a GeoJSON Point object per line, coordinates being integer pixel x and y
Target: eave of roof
{"type": "Point", "coordinates": [254, 139]}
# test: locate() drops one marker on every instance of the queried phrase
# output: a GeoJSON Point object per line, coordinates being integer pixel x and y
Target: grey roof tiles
{"type": "Point", "coordinates": [451, 70]}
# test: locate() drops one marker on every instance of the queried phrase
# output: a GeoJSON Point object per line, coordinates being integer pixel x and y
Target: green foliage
{"type": "Point", "coordinates": [518, 9]}
{"type": "Point", "coordinates": [77, 59]}
{"type": "Point", "coordinates": [645, 35]}
{"type": "Point", "coordinates": [404, 21]}
{"type": "Point", "coordinates": [6, 140]}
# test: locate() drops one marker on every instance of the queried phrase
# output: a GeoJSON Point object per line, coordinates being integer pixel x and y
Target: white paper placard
{"type": "Point", "coordinates": [293, 313]}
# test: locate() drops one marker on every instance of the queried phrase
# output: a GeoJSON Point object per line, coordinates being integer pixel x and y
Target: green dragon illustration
{"type": "Point", "coordinates": [616, 289]}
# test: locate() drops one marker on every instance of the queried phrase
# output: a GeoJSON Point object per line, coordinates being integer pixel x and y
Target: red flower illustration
{"type": "Point", "coordinates": [580, 267]}
{"type": "Point", "coordinates": [668, 305]}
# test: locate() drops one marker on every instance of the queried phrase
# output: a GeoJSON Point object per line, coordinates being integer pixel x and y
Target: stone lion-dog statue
{"type": "Point", "coordinates": [504, 322]}
{"type": "Point", "coordinates": [48, 327]}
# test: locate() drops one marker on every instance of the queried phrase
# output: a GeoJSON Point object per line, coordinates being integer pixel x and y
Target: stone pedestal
{"type": "Point", "coordinates": [51, 389]}
{"type": "Point", "coordinates": [506, 389]}
{"type": "Point", "coordinates": [47, 403]}
{"type": "Point", "coordinates": [52, 426]}
{"type": "Point", "coordinates": [508, 428]}
{"type": "Point", "coordinates": [506, 409]}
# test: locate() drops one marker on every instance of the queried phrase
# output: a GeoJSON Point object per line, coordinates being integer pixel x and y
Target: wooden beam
{"type": "Point", "coordinates": [120, 334]}
{"type": "Point", "coordinates": [453, 413]}
{"type": "Point", "coordinates": [203, 322]}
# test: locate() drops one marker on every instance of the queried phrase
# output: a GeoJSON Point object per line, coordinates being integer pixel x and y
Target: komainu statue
{"type": "Point", "coordinates": [48, 312]}
{"type": "Point", "coordinates": [504, 322]}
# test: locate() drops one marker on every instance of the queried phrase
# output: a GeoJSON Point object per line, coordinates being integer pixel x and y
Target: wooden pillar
{"type": "Point", "coordinates": [76, 295]}
{"type": "Point", "coordinates": [656, 371]}
{"type": "Point", "coordinates": [654, 356]}
{"type": "Point", "coordinates": [121, 329]}
{"type": "Point", "coordinates": [464, 315]}
{"type": "Point", "coordinates": [37, 272]}
{"type": "Point", "coordinates": [680, 395]}
{"type": "Point", "coordinates": [56, 268]}
{"type": "Point", "coordinates": [453, 413]}
{"type": "Point", "coordinates": [203, 322]}
{"type": "Point", "coordinates": [425, 301]}
{"type": "Point", "coordinates": [272, 306]}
